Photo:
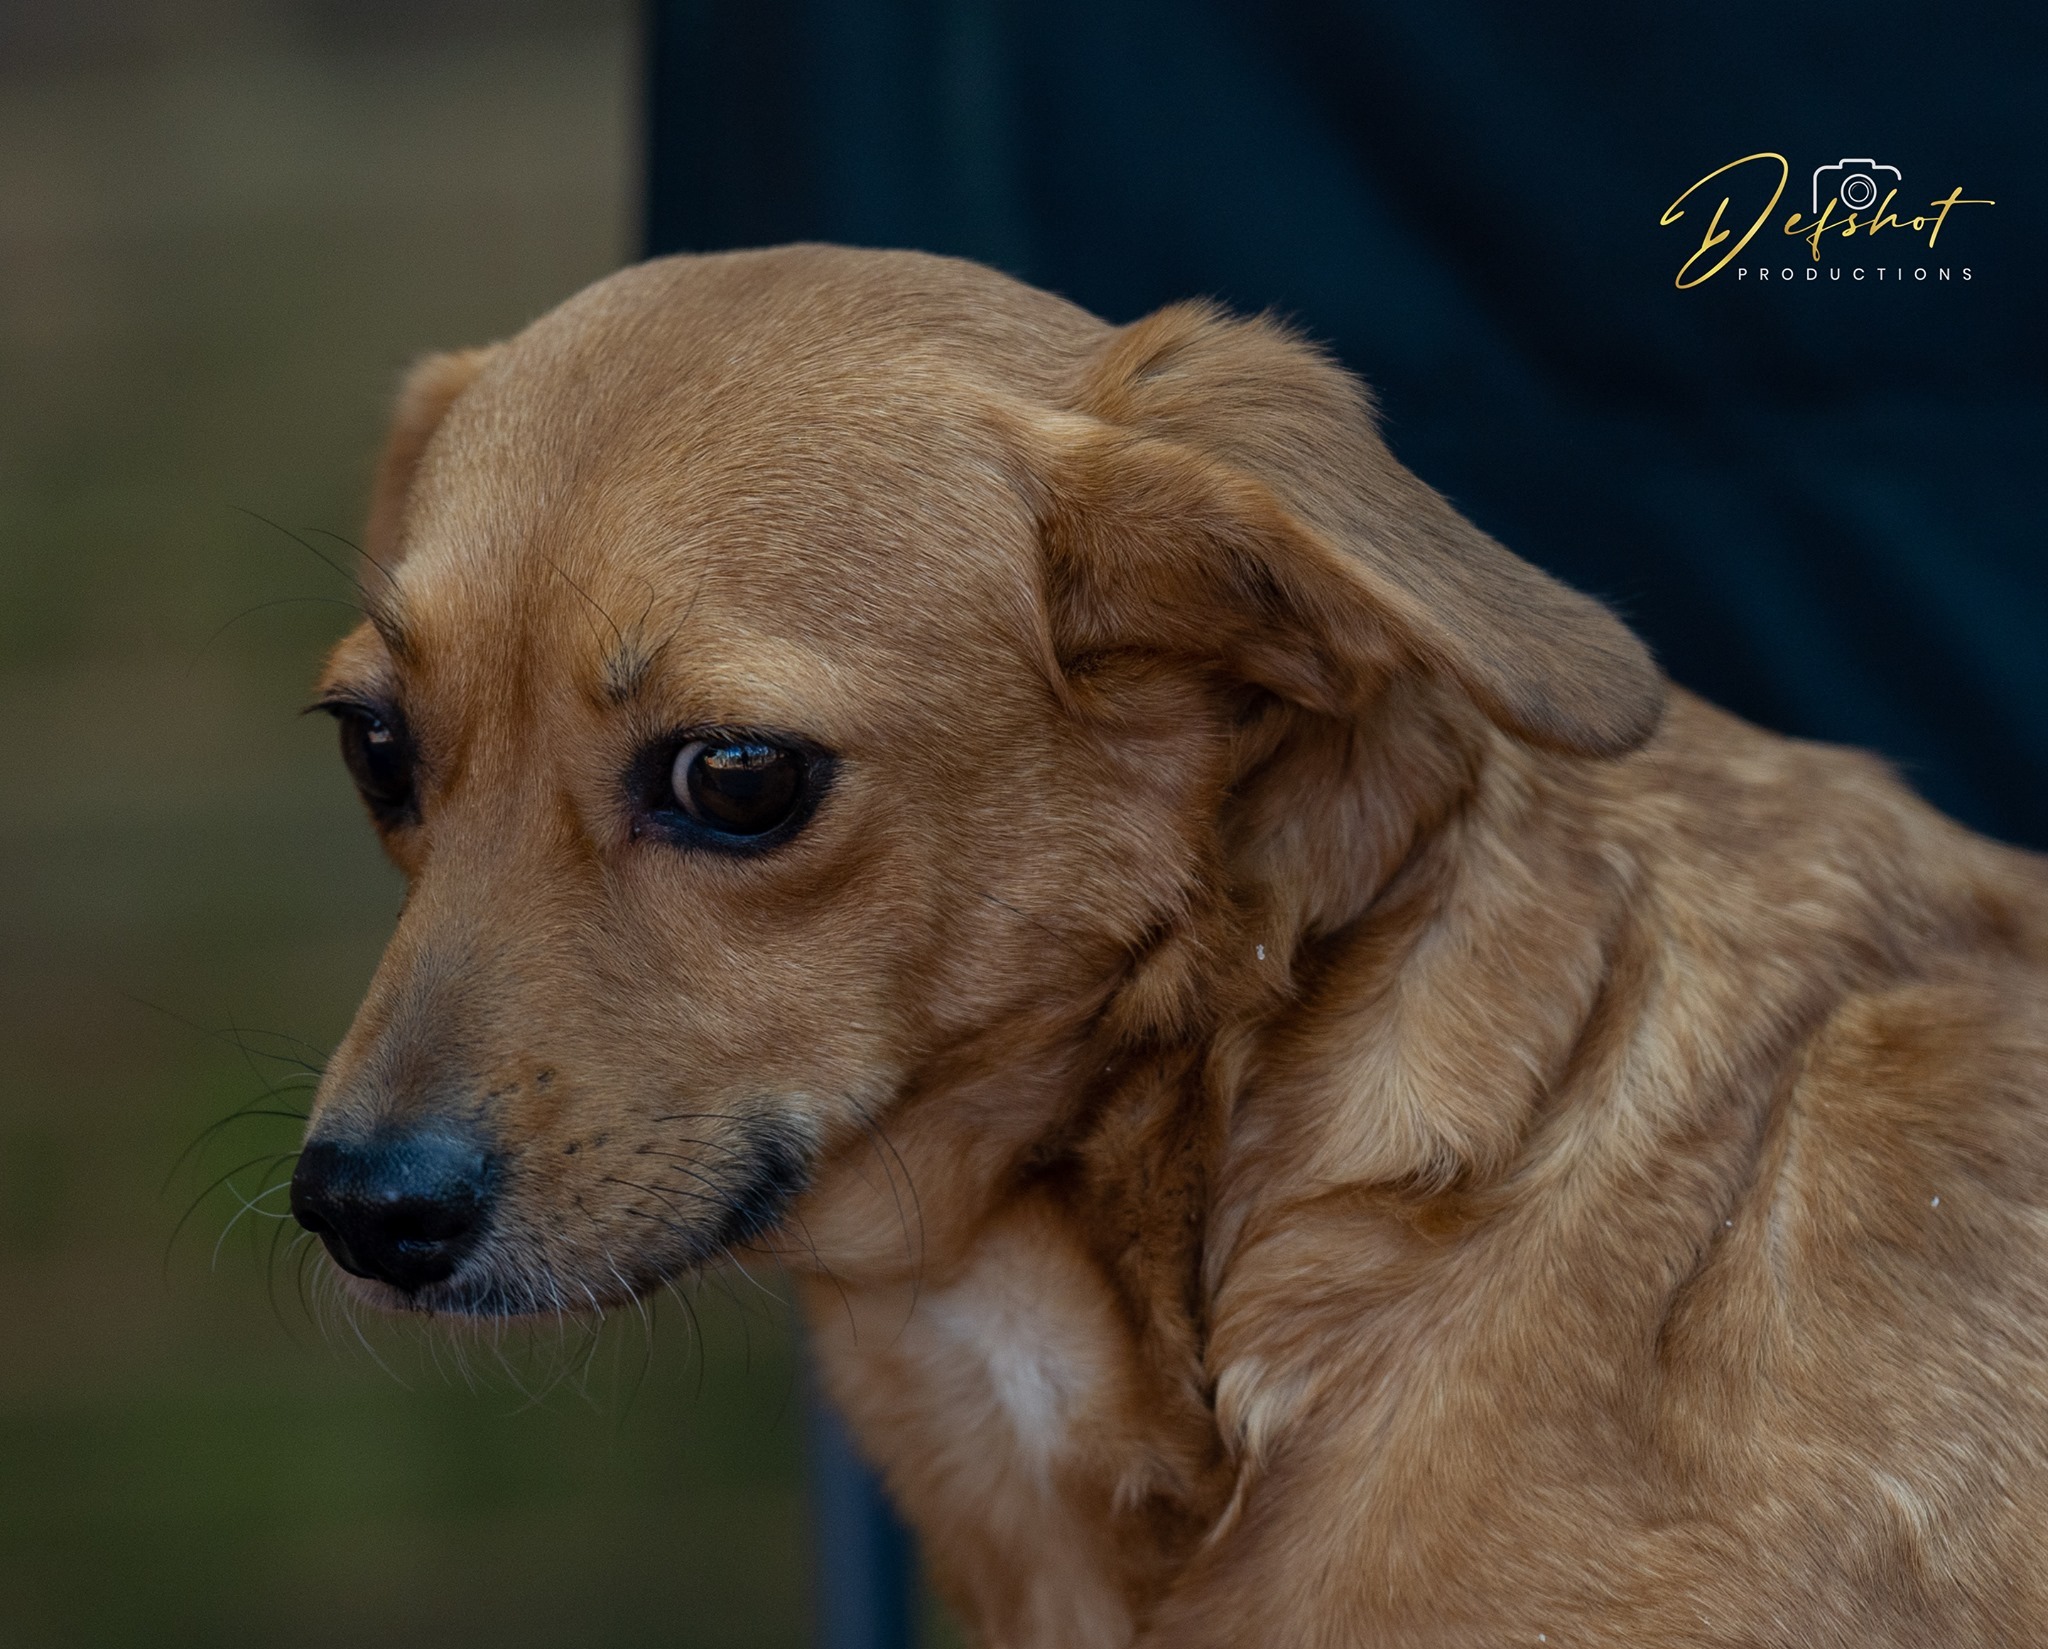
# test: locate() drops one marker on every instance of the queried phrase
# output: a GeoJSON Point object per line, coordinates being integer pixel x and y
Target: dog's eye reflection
{"type": "Point", "coordinates": [743, 788]}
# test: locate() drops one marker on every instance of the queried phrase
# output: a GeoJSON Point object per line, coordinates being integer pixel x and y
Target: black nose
{"type": "Point", "coordinates": [401, 1206]}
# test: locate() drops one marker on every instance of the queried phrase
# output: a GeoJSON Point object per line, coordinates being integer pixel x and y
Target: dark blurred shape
{"type": "Point", "coordinates": [1817, 500]}
{"type": "Point", "coordinates": [863, 1573]}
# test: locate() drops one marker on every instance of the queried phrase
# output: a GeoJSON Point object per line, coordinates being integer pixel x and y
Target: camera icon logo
{"type": "Point", "coordinates": [1857, 184]}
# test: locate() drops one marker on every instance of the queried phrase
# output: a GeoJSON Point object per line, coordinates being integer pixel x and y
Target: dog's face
{"type": "Point", "coordinates": [791, 676]}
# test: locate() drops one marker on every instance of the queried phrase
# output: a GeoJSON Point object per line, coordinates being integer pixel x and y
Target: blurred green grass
{"type": "Point", "coordinates": [216, 255]}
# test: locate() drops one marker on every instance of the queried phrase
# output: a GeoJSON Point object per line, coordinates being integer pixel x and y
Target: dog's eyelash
{"type": "Point", "coordinates": [354, 704]}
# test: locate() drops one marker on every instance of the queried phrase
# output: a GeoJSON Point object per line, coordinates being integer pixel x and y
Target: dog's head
{"type": "Point", "coordinates": [798, 682]}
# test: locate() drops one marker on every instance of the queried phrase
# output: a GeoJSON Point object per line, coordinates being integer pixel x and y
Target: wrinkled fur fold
{"type": "Point", "coordinates": [1339, 1108]}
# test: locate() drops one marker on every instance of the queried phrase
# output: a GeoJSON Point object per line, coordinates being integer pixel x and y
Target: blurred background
{"type": "Point", "coordinates": [225, 228]}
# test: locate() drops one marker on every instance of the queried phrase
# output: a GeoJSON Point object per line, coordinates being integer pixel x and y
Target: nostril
{"type": "Point", "coordinates": [402, 1206]}
{"type": "Point", "coordinates": [417, 1220]}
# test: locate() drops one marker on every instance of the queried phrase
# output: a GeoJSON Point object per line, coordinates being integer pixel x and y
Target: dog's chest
{"type": "Point", "coordinates": [1021, 1352]}
{"type": "Point", "coordinates": [1012, 1410]}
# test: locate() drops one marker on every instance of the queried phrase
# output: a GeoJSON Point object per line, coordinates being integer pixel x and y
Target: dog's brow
{"type": "Point", "coordinates": [632, 658]}
{"type": "Point", "coordinates": [625, 670]}
{"type": "Point", "coordinates": [387, 618]}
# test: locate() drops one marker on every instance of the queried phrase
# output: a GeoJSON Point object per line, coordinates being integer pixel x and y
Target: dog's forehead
{"type": "Point", "coordinates": [804, 370]}
{"type": "Point", "coordinates": [733, 474]}
{"type": "Point", "coordinates": [840, 540]}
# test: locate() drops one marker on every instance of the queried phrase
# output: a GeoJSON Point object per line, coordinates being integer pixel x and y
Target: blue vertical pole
{"type": "Point", "coordinates": [864, 1574]}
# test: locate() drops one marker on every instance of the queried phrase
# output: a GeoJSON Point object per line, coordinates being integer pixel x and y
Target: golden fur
{"type": "Point", "coordinates": [1334, 1107]}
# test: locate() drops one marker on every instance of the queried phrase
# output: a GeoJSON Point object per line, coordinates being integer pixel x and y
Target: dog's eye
{"type": "Point", "coordinates": [741, 787]}
{"type": "Point", "coordinates": [728, 790]}
{"type": "Point", "coordinates": [378, 752]}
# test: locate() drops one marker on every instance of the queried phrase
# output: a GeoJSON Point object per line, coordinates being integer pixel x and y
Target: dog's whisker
{"type": "Point", "coordinates": [662, 1197]}
{"type": "Point", "coordinates": [879, 1140]}
{"type": "Point", "coordinates": [253, 1110]}
{"type": "Point", "coordinates": [590, 601]}
{"type": "Point", "coordinates": [351, 545]}
{"type": "Point", "coordinates": [224, 1034]}
{"type": "Point", "coordinates": [692, 1327]}
{"type": "Point", "coordinates": [288, 1248]}
{"type": "Point", "coordinates": [1041, 924]}
{"type": "Point", "coordinates": [731, 1152]}
{"type": "Point", "coordinates": [315, 1066]}
{"type": "Point", "coordinates": [355, 1327]}
{"type": "Point", "coordinates": [645, 1315]}
{"type": "Point", "coordinates": [713, 1192]}
{"type": "Point", "coordinates": [325, 560]}
{"type": "Point", "coordinates": [270, 1160]}
{"type": "Point", "coordinates": [818, 1259]}
{"type": "Point", "coordinates": [205, 646]}
{"type": "Point", "coordinates": [249, 1205]}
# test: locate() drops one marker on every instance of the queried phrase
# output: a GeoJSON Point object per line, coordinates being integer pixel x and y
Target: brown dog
{"type": "Point", "coordinates": [1314, 1100]}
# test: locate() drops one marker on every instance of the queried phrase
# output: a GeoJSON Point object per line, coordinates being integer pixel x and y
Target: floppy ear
{"type": "Point", "coordinates": [1227, 497]}
{"type": "Point", "coordinates": [429, 390]}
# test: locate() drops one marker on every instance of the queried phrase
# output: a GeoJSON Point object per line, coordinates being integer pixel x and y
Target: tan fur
{"type": "Point", "coordinates": [1334, 1113]}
